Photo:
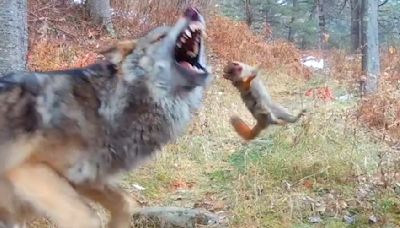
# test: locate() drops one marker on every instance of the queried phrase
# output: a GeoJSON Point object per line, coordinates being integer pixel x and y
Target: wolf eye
{"type": "Point", "coordinates": [162, 36]}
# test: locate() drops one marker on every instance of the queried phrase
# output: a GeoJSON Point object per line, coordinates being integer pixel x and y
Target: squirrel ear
{"type": "Point", "coordinates": [255, 69]}
{"type": "Point", "coordinates": [247, 81]}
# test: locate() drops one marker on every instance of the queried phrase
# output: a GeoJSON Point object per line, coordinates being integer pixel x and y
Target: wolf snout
{"type": "Point", "coordinates": [192, 13]}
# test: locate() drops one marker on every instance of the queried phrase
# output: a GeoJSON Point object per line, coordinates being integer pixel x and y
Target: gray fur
{"type": "Point", "coordinates": [122, 121]}
{"type": "Point", "coordinates": [150, 107]}
{"type": "Point", "coordinates": [34, 105]}
{"type": "Point", "coordinates": [260, 102]}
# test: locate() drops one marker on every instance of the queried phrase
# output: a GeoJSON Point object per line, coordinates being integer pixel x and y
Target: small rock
{"type": "Point", "coordinates": [287, 186]}
{"type": "Point", "coordinates": [342, 204]}
{"type": "Point", "coordinates": [218, 206]}
{"type": "Point", "coordinates": [349, 219]}
{"type": "Point", "coordinates": [346, 97]}
{"type": "Point", "coordinates": [138, 187]}
{"type": "Point", "coordinates": [320, 207]}
{"type": "Point", "coordinates": [315, 219]}
{"type": "Point", "coordinates": [397, 188]}
{"type": "Point", "coordinates": [372, 219]}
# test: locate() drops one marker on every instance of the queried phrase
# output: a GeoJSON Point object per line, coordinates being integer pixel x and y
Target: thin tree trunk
{"type": "Point", "coordinates": [355, 6]}
{"type": "Point", "coordinates": [100, 12]}
{"type": "Point", "coordinates": [292, 20]}
{"type": "Point", "coordinates": [249, 12]}
{"type": "Point", "coordinates": [321, 24]}
{"type": "Point", "coordinates": [370, 44]}
{"type": "Point", "coordinates": [13, 35]}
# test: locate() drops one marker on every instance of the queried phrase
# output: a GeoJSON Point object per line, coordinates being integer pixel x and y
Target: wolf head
{"type": "Point", "coordinates": [171, 58]}
{"type": "Point", "coordinates": [237, 72]}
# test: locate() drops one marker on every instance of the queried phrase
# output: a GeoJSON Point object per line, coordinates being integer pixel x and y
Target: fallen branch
{"type": "Point", "coordinates": [174, 217]}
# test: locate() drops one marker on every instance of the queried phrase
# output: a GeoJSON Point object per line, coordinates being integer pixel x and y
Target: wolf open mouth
{"type": "Point", "coordinates": [188, 44]}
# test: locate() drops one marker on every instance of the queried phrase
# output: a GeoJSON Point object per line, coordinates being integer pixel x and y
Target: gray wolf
{"type": "Point", "coordinates": [257, 100]}
{"type": "Point", "coordinates": [65, 138]}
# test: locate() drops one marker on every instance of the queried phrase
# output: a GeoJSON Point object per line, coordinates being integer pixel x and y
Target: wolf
{"type": "Point", "coordinates": [66, 138]}
{"type": "Point", "coordinates": [257, 100]}
{"type": "Point", "coordinates": [19, 120]}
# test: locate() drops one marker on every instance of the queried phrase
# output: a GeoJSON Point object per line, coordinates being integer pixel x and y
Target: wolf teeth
{"type": "Point", "coordinates": [195, 26]}
{"type": "Point", "coordinates": [196, 49]}
{"type": "Point", "coordinates": [191, 54]}
{"type": "Point", "coordinates": [192, 27]}
{"type": "Point", "coordinates": [188, 33]}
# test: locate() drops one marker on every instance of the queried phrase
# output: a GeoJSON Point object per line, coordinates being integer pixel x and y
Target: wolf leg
{"type": "Point", "coordinates": [119, 204]}
{"type": "Point", "coordinates": [52, 196]}
{"type": "Point", "coordinates": [12, 212]}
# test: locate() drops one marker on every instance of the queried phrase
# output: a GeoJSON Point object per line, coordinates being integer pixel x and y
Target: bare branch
{"type": "Point", "coordinates": [383, 3]}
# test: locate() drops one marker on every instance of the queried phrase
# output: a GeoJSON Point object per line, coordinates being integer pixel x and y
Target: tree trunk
{"type": "Point", "coordinates": [322, 25]}
{"type": "Point", "coordinates": [100, 12]}
{"type": "Point", "coordinates": [370, 44]}
{"type": "Point", "coordinates": [249, 12]}
{"type": "Point", "coordinates": [355, 6]}
{"type": "Point", "coordinates": [292, 20]}
{"type": "Point", "coordinates": [13, 35]}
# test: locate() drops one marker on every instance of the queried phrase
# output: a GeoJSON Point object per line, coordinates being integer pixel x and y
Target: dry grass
{"type": "Point", "coordinates": [344, 67]}
{"type": "Point", "coordinates": [46, 55]}
{"type": "Point", "coordinates": [319, 167]}
{"type": "Point", "coordinates": [381, 111]}
{"type": "Point", "coordinates": [232, 40]}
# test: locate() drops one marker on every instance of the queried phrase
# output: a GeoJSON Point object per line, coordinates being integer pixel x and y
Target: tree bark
{"type": "Point", "coordinates": [355, 6]}
{"type": "Point", "coordinates": [321, 24]}
{"type": "Point", "coordinates": [370, 45]}
{"type": "Point", "coordinates": [249, 12]}
{"type": "Point", "coordinates": [13, 35]}
{"type": "Point", "coordinates": [292, 20]}
{"type": "Point", "coordinates": [100, 12]}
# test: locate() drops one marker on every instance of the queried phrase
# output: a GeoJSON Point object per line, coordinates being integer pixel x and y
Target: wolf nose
{"type": "Point", "coordinates": [192, 13]}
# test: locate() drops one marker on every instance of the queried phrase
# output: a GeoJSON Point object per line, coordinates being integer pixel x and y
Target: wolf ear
{"type": "Point", "coordinates": [117, 53]}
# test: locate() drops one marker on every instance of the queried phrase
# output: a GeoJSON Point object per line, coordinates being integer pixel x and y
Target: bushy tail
{"type": "Point", "coordinates": [297, 117]}
{"type": "Point", "coordinates": [244, 130]}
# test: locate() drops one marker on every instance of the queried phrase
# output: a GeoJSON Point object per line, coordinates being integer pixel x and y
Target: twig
{"type": "Point", "coordinates": [66, 32]}
{"type": "Point", "coordinates": [311, 175]}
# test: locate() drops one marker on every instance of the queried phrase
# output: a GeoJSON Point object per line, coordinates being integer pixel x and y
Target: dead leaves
{"type": "Point", "coordinates": [54, 55]}
{"type": "Point", "coordinates": [233, 40]}
{"type": "Point", "coordinates": [180, 184]}
{"type": "Point", "coordinates": [323, 93]}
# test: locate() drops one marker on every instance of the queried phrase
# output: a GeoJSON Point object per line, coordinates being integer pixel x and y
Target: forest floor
{"type": "Point", "coordinates": [327, 170]}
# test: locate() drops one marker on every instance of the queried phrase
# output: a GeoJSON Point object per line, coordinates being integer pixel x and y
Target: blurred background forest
{"type": "Point", "coordinates": [298, 21]}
